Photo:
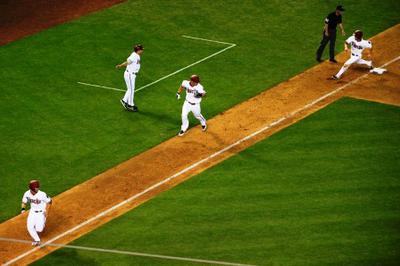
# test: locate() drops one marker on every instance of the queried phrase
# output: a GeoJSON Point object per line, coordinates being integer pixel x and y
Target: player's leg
{"type": "Point", "coordinates": [322, 45]}
{"type": "Point", "coordinates": [365, 62]}
{"type": "Point", "coordinates": [130, 85]}
{"type": "Point", "coordinates": [40, 223]}
{"type": "Point", "coordinates": [184, 115]}
{"type": "Point", "coordinates": [30, 224]}
{"type": "Point", "coordinates": [346, 66]}
{"type": "Point", "coordinates": [196, 109]}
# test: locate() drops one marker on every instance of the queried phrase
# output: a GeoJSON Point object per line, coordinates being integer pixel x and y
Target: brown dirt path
{"type": "Point", "coordinates": [285, 103]}
{"type": "Point", "coordinates": [20, 18]}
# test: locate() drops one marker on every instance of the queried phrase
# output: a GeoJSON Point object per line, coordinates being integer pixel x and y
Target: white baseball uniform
{"type": "Point", "coordinates": [36, 218]}
{"type": "Point", "coordinates": [130, 75]}
{"type": "Point", "coordinates": [356, 54]}
{"type": "Point", "coordinates": [192, 104]}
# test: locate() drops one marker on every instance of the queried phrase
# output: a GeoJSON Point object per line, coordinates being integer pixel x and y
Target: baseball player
{"type": "Point", "coordinates": [40, 207]}
{"type": "Point", "coordinates": [194, 93]}
{"type": "Point", "coordinates": [132, 65]}
{"type": "Point", "coordinates": [357, 46]}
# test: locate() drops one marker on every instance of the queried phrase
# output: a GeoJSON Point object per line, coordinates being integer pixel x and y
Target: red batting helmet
{"type": "Point", "coordinates": [195, 78]}
{"type": "Point", "coordinates": [358, 35]}
{"type": "Point", "coordinates": [33, 184]}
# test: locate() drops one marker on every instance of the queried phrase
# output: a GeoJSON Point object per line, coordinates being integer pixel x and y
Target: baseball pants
{"type": "Point", "coordinates": [130, 85]}
{"type": "Point", "coordinates": [35, 224]}
{"type": "Point", "coordinates": [325, 39]}
{"type": "Point", "coordinates": [353, 59]}
{"type": "Point", "coordinates": [196, 110]}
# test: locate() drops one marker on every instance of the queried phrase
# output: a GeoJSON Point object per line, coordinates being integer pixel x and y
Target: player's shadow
{"type": "Point", "coordinates": [157, 116]}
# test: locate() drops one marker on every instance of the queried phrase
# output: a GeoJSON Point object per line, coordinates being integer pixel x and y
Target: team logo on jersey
{"type": "Point", "coordinates": [190, 90]}
{"type": "Point", "coordinates": [356, 46]}
{"type": "Point", "coordinates": [35, 201]}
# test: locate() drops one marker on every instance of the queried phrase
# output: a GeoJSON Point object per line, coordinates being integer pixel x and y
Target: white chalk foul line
{"type": "Point", "coordinates": [100, 86]}
{"type": "Point", "coordinates": [194, 165]}
{"type": "Point", "coordinates": [231, 45]}
{"type": "Point", "coordinates": [129, 253]}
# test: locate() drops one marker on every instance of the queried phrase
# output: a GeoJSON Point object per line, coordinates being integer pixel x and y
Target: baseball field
{"type": "Point", "coordinates": [295, 169]}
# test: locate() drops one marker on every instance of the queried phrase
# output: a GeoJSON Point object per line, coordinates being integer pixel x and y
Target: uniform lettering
{"type": "Point", "coordinates": [35, 201]}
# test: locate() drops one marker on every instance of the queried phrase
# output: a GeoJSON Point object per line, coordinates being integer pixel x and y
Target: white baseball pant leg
{"type": "Point", "coordinates": [347, 64]}
{"type": "Point", "coordinates": [130, 85]}
{"type": "Point", "coordinates": [196, 110]}
{"type": "Point", "coordinates": [35, 224]}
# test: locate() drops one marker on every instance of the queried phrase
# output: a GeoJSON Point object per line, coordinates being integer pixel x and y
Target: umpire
{"type": "Point", "coordinates": [329, 33]}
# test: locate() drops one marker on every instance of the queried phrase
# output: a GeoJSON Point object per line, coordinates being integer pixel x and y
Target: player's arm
{"type": "Point", "coordinates": [48, 206]}
{"type": "Point", "coordinates": [23, 207]}
{"type": "Point", "coordinates": [178, 93]}
{"type": "Point", "coordinates": [346, 46]}
{"type": "Point", "coordinates": [124, 64]}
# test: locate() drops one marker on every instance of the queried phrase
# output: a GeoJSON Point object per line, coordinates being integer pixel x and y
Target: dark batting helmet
{"type": "Point", "coordinates": [358, 35]}
{"type": "Point", "coordinates": [138, 47]}
{"type": "Point", "coordinates": [33, 184]}
{"type": "Point", "coordinates": [195, 78]}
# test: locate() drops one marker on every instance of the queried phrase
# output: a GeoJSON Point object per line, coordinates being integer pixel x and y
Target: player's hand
{"type": "Point", "coordinates": [326, 34]}
{"type": "Point", "coordinates": [178, 96]}
{"type": "Point", "coordinates": [343, 33]}
{"type": "Point", "coordinates": [118, 66]}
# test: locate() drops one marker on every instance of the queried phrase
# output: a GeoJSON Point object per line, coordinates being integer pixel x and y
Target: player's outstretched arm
{"type": "Point", "coordinates": [124, 64]}
{"type": "Point", "coordinates": [178, 94]}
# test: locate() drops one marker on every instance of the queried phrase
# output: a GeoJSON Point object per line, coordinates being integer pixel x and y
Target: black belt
{"type": "Point", "coordinates": [38, 211]}
{"type": "Point", "coordinates": [354, 54]}
{"type": "Point", "coordinates": [134, 73]}
{"type": "Point", "coordinates": [191, 103]}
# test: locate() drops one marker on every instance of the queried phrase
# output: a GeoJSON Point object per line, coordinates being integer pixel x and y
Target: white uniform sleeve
{"type": "Point", "coordinates": [350, 39]}
{"type": "Point", "coordinates": [368, 44]}
{"type": "Point", "coordinates": [200, 89]}
{"type": "Point", "coordinates": [46, 198]}
{"type": "Point", "coordinates": [25, 198]}
{"type": "Point", "coordinates": [131, 58]}
{"type": "Point", "coordinates": [185, 84]}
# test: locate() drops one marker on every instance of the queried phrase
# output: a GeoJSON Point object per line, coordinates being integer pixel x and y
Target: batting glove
{"type": "Point", "coordinates": [178, 95]}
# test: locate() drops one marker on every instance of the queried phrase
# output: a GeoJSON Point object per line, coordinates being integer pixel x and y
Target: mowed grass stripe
{"type": "Point", "coordinates": [323, 191]}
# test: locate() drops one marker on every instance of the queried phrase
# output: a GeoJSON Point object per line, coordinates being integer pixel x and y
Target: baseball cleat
{"type": "Point", "coordinates": [36, 243]}
{"type": "Point", "coordinates": [204, 128]}
{"type": "Point", "coordinates": [181, 133]}
{"type": "Point", "coordinates": [124, 104]}
{"type": "Point", "coordinates": [133, 108]}
{"type": "Point", "coordinates": [334, 77]}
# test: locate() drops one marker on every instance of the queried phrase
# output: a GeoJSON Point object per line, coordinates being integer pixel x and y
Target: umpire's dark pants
{"type": "Point", "coordinates": [325, 39]}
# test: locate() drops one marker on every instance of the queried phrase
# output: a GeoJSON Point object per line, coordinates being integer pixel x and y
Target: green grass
{"type": "Point", "coordinates": [64, 133]}
{"type": "Point", "coordinates": [325, 191]}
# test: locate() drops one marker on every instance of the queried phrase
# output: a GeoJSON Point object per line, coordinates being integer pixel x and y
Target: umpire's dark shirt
{"type": "Point", "coordinates": [332, 20]}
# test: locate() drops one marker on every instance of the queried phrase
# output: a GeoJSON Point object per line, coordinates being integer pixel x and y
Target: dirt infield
{"type": "Point", "coordinates": [268, 112]}
{"type": "Point", "coordinates": [20, 18]}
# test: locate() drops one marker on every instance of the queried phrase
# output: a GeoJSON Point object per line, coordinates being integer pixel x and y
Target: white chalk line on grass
{"type": "Point", "coordinates": [194, 165]}
{"type": "Point", "coordinates": [231, 45]}
{"type": "Point", "coordinates": [129, 253]}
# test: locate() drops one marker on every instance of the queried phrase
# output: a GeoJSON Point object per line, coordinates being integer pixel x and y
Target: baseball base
{"type": "Point", "coordinates": [378, 70]}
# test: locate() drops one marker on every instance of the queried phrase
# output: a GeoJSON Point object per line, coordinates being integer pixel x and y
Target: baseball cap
{"type": "Point", "coordinates": [340, 8]}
